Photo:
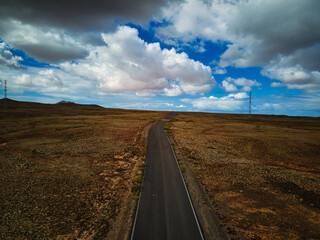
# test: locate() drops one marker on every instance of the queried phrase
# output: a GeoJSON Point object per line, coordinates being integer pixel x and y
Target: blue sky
{"type": "Point", "coordinates": [191, 55]}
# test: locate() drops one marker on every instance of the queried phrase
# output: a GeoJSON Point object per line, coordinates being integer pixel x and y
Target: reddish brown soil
{"type": "Point", "coordinates": [261, 173]}
{"type": "Point", "coordinates": [66, 170]}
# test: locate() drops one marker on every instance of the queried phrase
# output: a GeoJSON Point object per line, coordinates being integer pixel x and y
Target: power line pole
{"type": "Point", "coordinates": [250, 103]}
{"type": "Point", "coordinates": [5, 89]}
{"type": "Point", "coordinates": [5, 92]}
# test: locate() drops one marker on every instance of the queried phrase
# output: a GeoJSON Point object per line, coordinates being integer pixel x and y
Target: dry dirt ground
{"type": "Point", "coordinates": [66, 170]}
{"type": "Point", "coordinates": [261, 173]}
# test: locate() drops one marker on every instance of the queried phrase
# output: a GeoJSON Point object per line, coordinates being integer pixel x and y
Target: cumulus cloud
{"type": "Point", "coordinates": [219, 70]}
{"type": "Point", "coordinates": [173, 90]}
{"type": "Point", "coordinates": [239, 95]}
{"type": "Point", "coordinates": [232, 102]}
{"type": "Point", "coordinates": [52, 81]}
{"type": "Point", "coordinates": [244, 82]}
{"type": "Point", "coordinates": [127, 63]}
{"type": "Point", "coordinates": [7, 58]}
{"type": "Point", "coordinates": [259, 33]}
{"type": "Point", "coordinates": [277, 84]}
{"type": "Point", "coordinates": [124, 64]}
{"type": "Point", "coordinates": [187, 18]}
{"type": "Point", "coordinates": [294, 78]}
{"type": "Point", "coordinates": [44, 81]}
{"type": "Point", "coordinates": [230, 84]}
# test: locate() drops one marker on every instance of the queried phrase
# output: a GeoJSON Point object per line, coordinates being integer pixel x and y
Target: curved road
{"type": "Point", "coordinates": [165, 210]}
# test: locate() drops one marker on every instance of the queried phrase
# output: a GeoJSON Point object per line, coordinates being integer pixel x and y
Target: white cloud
{"type": "Point", "coordinates": [240, 95]}
{"type": "Point", "coordinates": [244, 82]}
{"type": "Point", "coordinates": [218, 70]}
{"type": "Point", "coordinates": [7, 58]}
{"type": "Point", "coordinates": [124, 64]}
{"type": "Point", "coordinates": [277, 84]}
{"type": "Point", "coordinates": [246, 89]}
{"type": "Point", "coordinates": [181, 106]}
{"type": "Point", "coordinates": [237, 56]}
{"type": "Point", "coordinates": [52, 82]}
{"type": "Point", "coordinates": [229, 84]}
{"type": "Point", "coordinates": [187, 18]}
{"type": "Point", "coordinates": [230, 103]}
{"type": "Point", "coordinates": [229, 87]}
{"type": "Point", "coordinates": [127, 63]}
{"type": "Point", "coordinates": [266, 33]}
{"type": "Point", "coordinates": [294, 78]}
{"type": "Point", "coordinates": [173, 90]}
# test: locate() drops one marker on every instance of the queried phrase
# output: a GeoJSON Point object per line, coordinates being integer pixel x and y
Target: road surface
{"type": "Point", "coordinates": [165, 210]}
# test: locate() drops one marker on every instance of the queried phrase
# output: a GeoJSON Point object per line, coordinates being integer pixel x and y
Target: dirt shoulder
{"type": "Point", "coordinates": [211, 225]}
{"type": "Point", "coordinates": [66, 170]}
{"type": "Point", "coordinates": [260, 174]}
{"type": "Point", "coordinates": [121, 227]}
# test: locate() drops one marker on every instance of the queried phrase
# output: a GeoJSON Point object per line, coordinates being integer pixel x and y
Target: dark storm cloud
{"type": "Point", "coordinates": [55, 31]}
{"type": "Point", "coordinates": [48, 52]}
{"type": "Point", "coordinates": [80, 15]}
{"type": "Point", "coordinates": [284, 28]}
{"type": "Point", "coordinates": [43, 43]}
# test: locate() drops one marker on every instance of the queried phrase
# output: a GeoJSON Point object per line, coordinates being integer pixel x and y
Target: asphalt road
{"type": "Point", "coordinates": [164, 210]}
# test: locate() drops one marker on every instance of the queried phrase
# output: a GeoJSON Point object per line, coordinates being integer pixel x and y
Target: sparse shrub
{"type": "Point", "coordinates": [137, 179]}
{"type": "Point", "coordinates": [192, 156]}
{"type": "Point", "coordinates": [135, 197]}
{"type": "Point", "coordinates": [142, 166]}
{"type": "Point", "coordinates": [174, 120]}
{"type": "Point", "coordinates": [136, 189]}
{"type": "Point", "coordinates": [167, 129]}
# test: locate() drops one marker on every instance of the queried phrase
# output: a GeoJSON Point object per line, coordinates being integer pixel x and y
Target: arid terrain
{"type": "Point", "coordinates": [73, 171]}
{"type": "Point", "coordinates": [261, 173]}
{"type": "Point", "coordinates": [69, 171]}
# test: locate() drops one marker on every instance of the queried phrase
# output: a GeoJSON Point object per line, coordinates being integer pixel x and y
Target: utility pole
{"type": "Point", "coordinates": [250, 103]}
{"type": "Point", "coordinates": [5, 89]}
{"type": "Point", "coordinates": [5, 92]}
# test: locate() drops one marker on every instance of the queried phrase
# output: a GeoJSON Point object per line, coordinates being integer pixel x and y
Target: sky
{"type": "Point", "coordinates": [173, 55]}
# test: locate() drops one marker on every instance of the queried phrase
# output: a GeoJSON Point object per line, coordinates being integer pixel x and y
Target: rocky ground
{"type": "Point", "coordinates": [66, 170]}
{"type": "Point", "coordinates": [261, 173]}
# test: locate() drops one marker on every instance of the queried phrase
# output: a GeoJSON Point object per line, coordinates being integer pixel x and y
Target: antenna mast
{"type": "Point", "coordinates": [5, 89]}
{"type": "Point", "coordinates": [5, 94]}
{"type": "Point", "coordinates": [250, 103]}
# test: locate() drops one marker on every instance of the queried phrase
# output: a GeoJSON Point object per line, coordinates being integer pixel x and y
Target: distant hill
{"type": "Point", "coordinates": [34, 108]}
{"type": "Point", "coordinates": [65, 102]}
{"type": "Point", "coordinates": [13, 104]}
{"type": "Point", "coordinates": [69, 103]}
